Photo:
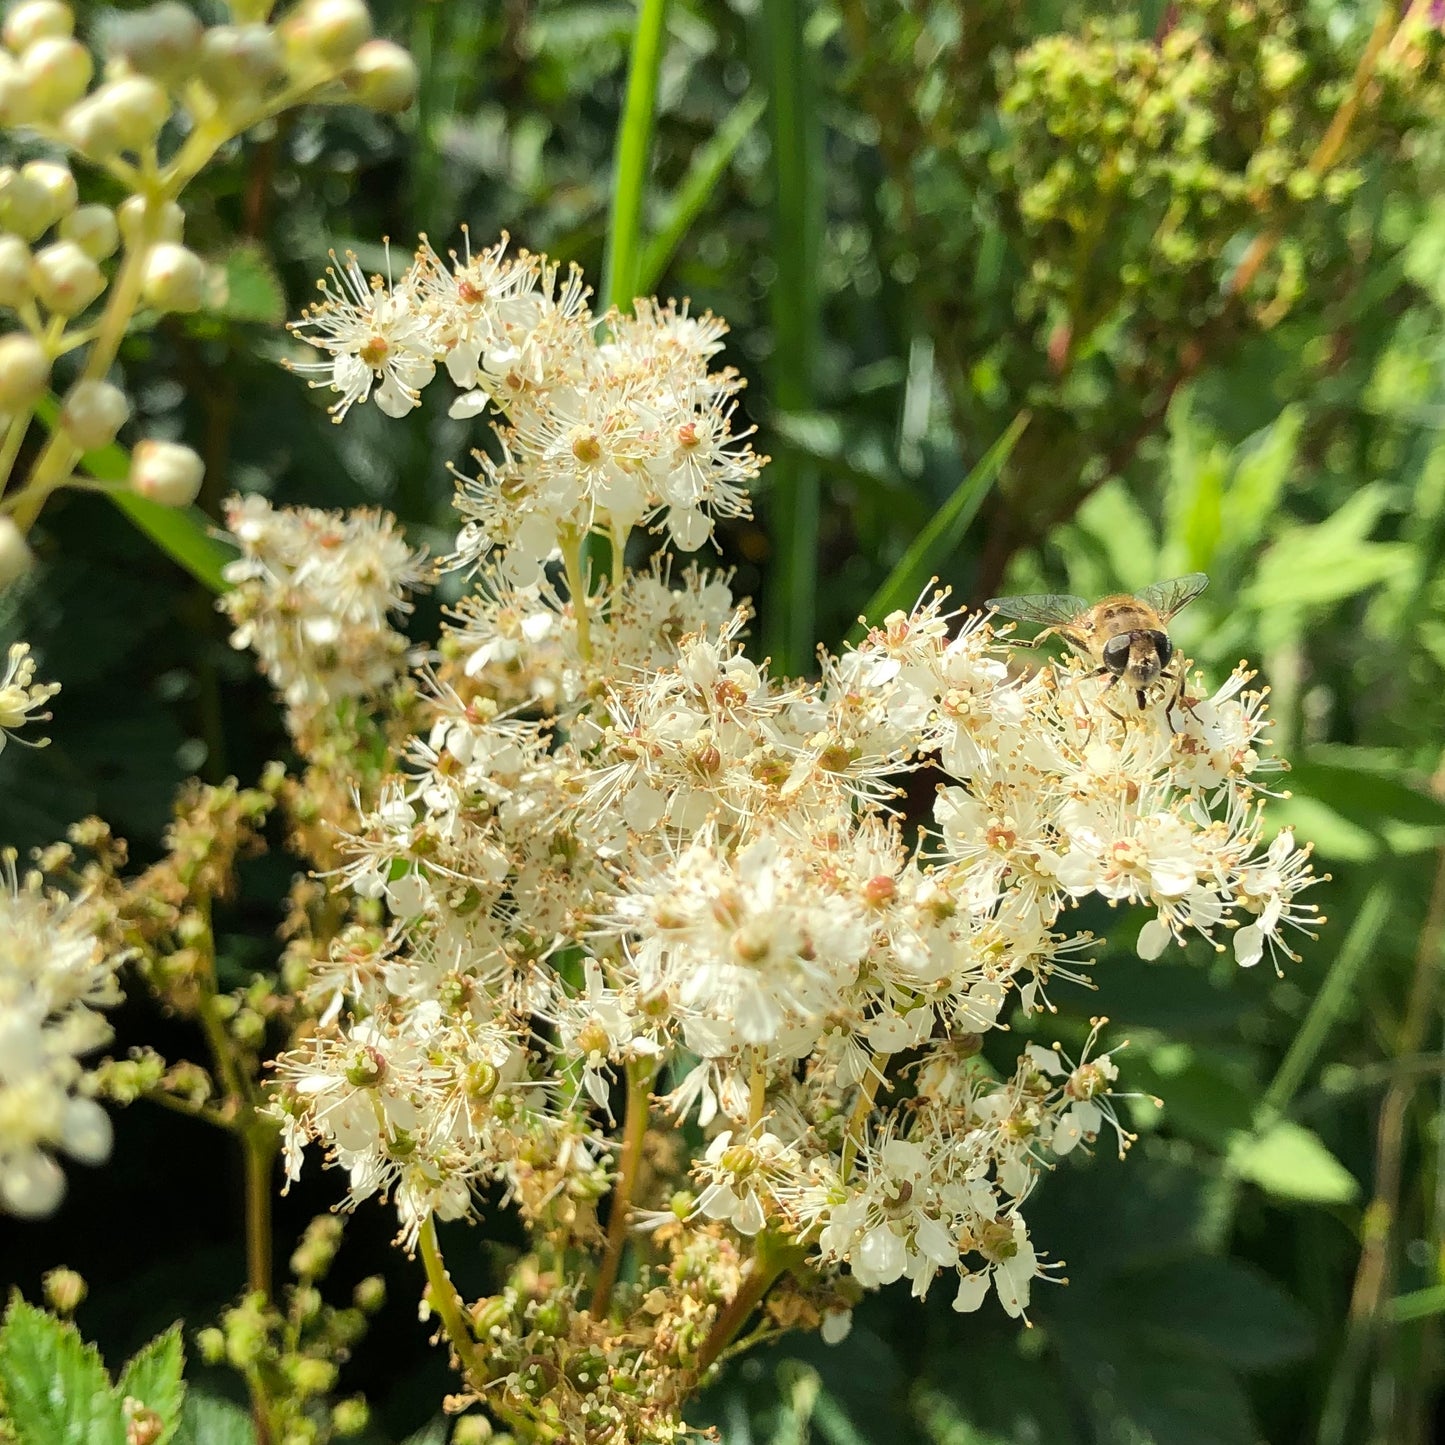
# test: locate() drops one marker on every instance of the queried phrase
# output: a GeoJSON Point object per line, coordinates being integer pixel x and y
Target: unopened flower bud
{"type": "Point", "coordinates": [35, 20]}
{"type": "Point", "coordinates": [94, 229]}
{"type": "Point", "coordinates": [161, 40]}
{"type": "Point", "coordinates": [15, 260]}
{"type": "Point", "coordinates": [33, 199]}
{"type": "Point", "coordinates": [370, 1294]}
{"type": "Point", "coordinates": [166, 472]}
{"type": "Point", "coordinates": [16, 558]}
{"type": "Point", "coordinates": [350, 1417]}
{"type": "Point", "coordinates": [175, 278]}
{"type": "Point", "coordinates": [24, 371]}
{"type": "Point", "coordinates": [383, 77]}
{"type": "Point", "coordinates": [326, 32]}
{"type": "Point", "coordinates": [137, 107]}
{"type": "Point", "coordinates": [18, 105]}
{"type": "Point", "coordinates": [64, 1290]}
{"type": "Point", "coordinates": [57, 183]}
{"type": "Point", "coordinates": [168, 226]}
{"type": "Point", "coordinates": [65, 279]}
{"type": "Point", "coordinates": [92, 129]}
{"type": "Point", "coordinates": [212, 1345]}
{"type": "Point", "coordinates": [58, 69]}
{"type": "Point", "coordinates": [93, 413]}
{"type": "Point", "coordinates": [239, 60]}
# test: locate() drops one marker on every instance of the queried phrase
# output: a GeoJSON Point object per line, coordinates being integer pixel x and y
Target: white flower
{"type": "Point", "coordinates": [21, 697]}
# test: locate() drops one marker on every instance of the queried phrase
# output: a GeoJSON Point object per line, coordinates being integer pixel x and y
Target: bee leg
{"type": "Point", "coordinates": [1113, 678]}
{"type": "Point", "coordinates": [1180, 699]}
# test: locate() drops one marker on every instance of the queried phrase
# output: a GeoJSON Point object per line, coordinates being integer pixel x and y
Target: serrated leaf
{"type": "Point", "coordinates": [1291, 1162]}
{"type": "Point", "coordinates": [153, 1377]}
{"type": "Point", "coordinates": [253, 291]}
{"type": "Point", "coordinates": [211, 1420]}
{"type": "Point", "coordinates": [1260, 473]}
{"type": "Point", "coordinates": [53, 1386]}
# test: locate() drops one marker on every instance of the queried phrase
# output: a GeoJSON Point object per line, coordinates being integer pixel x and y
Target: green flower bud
{"type": "Point", "coordinates": [175, 278]}
{"type": "Point", "coordinates": [35, 20]}
{"type": "Point", "coordinates": [130, 215]}
{"type": "Point", "coordinates": [383, 77]}
{"type": "Point", "coordinates": [94, 229]}
{"type": "Point", "coordinates": [370, 1294]}
{"type": "Point", "coordinates": [50, 187]}
{"type": "Point", "coordinates": [16, 558]}
{"type": "Point", "coordinates": [93, 413]}
{"type": "Point", "coordinates": [212, 1345]}
{"type": "Point", "coordinates": [166, 472]}
{"type": "Point", "coordinates": [350, 1417]}
{"type": "Point", "coordinates": [65, 279]}
{"type": "Point", "coordinates": [24, 371]}
{"type": "Point", "coordinates": [15, 262]}
{"type": "Point", "coordinates": [162, 40]}
{"type": "Point", "coordinates": [312, 1377]}
{"type": "Point", "coordinates": [58, 69]}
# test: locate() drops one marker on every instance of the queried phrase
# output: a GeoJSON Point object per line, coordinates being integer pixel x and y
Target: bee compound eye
{"type": "Point", "coordinates": [1116, 653]}
{"type": "Point", "coordinates": [1164, 647]}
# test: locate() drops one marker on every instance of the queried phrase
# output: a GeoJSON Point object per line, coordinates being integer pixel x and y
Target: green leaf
{"type": "Point", "coordinates": [53, 1386]}
{"type": "Point", "coordinates": [707, 167]}
{"type": "Point", "coordinates": [943, 534]}
{"type": "Point", "coordinates": [1291, 1162]}
{"type": "Point", "coordinates": [211, 1420]}
{"type": "Point", "coordinates": [1260, 472]}
{"type": "Point", "coordinates": [253, 290]}
{"type": "Point", "coordinates": [183, 533]}
{"type": "Point", "coordinates": [1231, 1312]}
{"type": "Point", "coordinates": [153, 1377]}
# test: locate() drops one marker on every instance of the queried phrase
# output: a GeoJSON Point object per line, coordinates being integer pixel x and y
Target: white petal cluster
{"type": "Point", "coordinates": [21, 697]}
{"type": "Point", "coordinates": [596, 434]}
{"type": "Point", "coordinates": [621, 844]}
{"type": "Point", "coordinates": [54, 977]}
{"type": "Point", "coordinates": [313, 594]}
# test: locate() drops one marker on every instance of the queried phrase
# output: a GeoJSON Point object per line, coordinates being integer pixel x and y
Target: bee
{"type": "Point", "coordinates": [1124, 635]}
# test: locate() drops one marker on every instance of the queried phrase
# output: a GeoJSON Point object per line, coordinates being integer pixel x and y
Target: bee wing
{"type": "Point", "coordinates": [1049, 608]}
{"type": "Point", "coordinates": [1167, 598]}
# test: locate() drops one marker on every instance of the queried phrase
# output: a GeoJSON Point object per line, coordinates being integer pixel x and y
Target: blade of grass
{"type": "Point", "coordinates": [795, 128]}
{"type": "Point", "coordinates": [708, 166]}
{"type": "Point", "coordinates": [183, 533]}
{"type": "Point", "coordinates": [621, 267]}
{"type": "Point", "coordinates": [943, 534]}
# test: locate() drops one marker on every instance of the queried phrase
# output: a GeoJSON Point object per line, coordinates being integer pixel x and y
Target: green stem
{"type": "Point", "coordinates": [622, 264]}
{"type": "Point", "coordinates": [634, 1132]}
{"type": "Point", "coordinates": [572, 553]}
{"type": "Point", "coordinates": [775, 1256]}
{"type": "Point", "coordinates": [14, 440]}
{"type": "Point", "coordinates": [448, 1304]}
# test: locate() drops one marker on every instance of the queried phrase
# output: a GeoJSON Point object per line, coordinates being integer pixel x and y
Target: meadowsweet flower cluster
{"type": "Point", "coordinates": [54, 977]}
{"type": "Point", "coordinates": [629, 878]}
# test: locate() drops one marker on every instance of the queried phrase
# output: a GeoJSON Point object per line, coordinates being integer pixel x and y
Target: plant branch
{"type": "Point", "coordinates": [634, 1131]}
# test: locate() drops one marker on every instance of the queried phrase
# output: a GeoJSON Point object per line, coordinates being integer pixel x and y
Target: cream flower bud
{"type": "Point", "coordinates": [239, 60]}
{"type": "Point", "coordinates": [175, 278]}
{"type": "Point", "coordinates": [131, 213]}
{"type": "Point", "coordinates": [93, 413]}
{"type": "Point", "coordinates": [92, 129]}
{"type": "Point", "coordinates": [166, 472]}
{"type": "Point", "coordinates": [15, 262]}
{"type": "Point", "coordinates": [37, 20]}
{"type": "Point", "coordinates": [24, 371]}
{"type": "Point", "coordinates": [18, 105]}
{"type": "Point", "coordinates": [383, 76]}
{"type": "Point", "coordinates": [58, 70]}
{"type": "Point", "coordinates": [136, 107]}
{"type": "Point", "coordinates": [162, 40]}
{"type": "Point", "coordinates": [16, 558]}
{"type": "Point", "coordinates": [65, 279]}
{"type": "Point", "coordinates": [94, 229]}
{"type": "Point", "coordinates": [57, 183]}
{"type": "Point", "coordinates": [26, 207]}
{"type": "Point", "coordinates": [327, 32]}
